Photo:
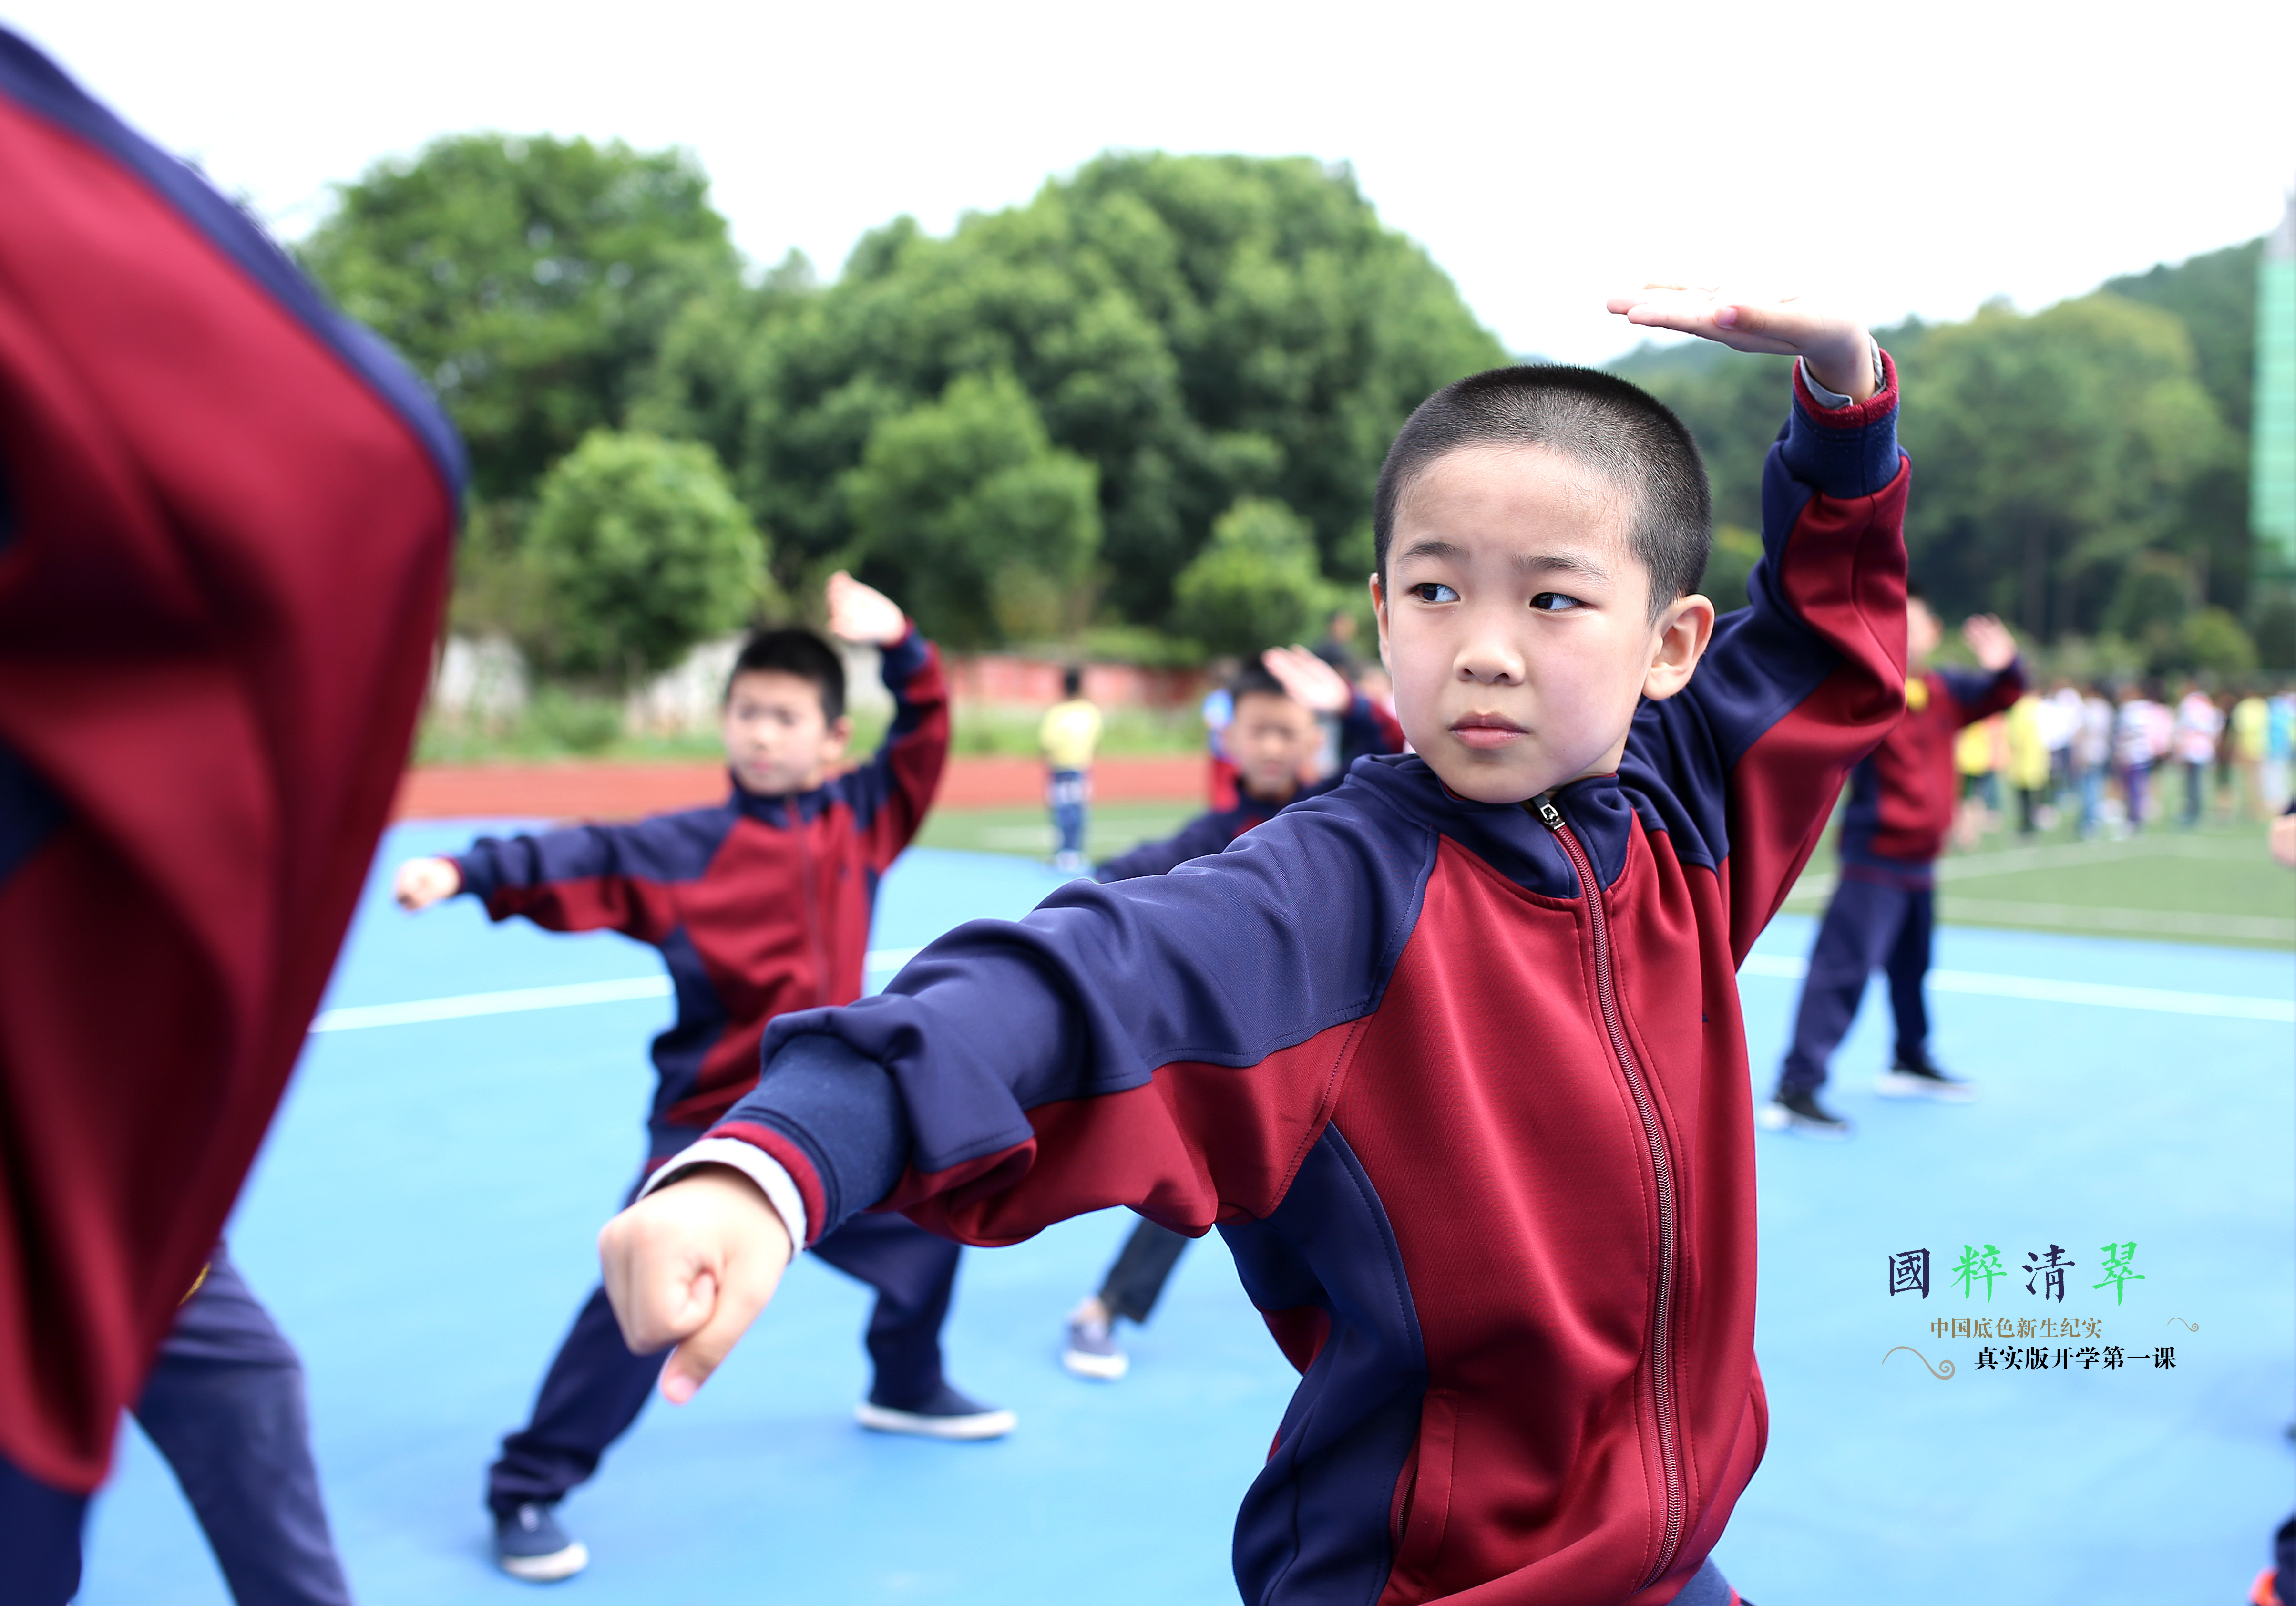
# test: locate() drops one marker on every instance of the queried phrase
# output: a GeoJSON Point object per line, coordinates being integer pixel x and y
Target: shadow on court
{"type": "Point", "coordinates": [422, 1223]}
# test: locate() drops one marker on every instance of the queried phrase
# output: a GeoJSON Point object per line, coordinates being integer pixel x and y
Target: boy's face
{"type": "Point", "coordinates": [1515, 619]}
{"type": "Point", "coordinates": [1922, 633]}
{"type": "Point", "coordinates": [776, 738]}
{"type": "Point", "coordinates": [1271, 739]}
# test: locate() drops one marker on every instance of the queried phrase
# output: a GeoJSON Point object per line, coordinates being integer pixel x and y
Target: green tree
{"type": "Point", "coordinates": [1256, 584]}
{"type": "Point", "coordinates": [2214, 295]}
{"type": "Point", "coordinates": [1730, 565]}
{"type": "Point", "coordinates": [1198, 328]}
{"type": "Point", "coordinates": [641, 550]}
{"type": "Point", "coordinates": [964, 510]}
{"type": "Point", "coordinates": [531, 279]}
{"type": "Point", "coordinates": [2212, 639]}
{"type": "Point", "coordinates": [2049, 451]}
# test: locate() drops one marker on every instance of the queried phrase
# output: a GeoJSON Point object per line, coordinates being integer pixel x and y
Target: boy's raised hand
{"type": "Point", "coordinates": [422, 881]}
{"type": "Point", "coordinates": [1311, 681]}
{"type": "Point", "coordinates": [1990, 640]}
{"type": "Point", "coordinates": [693, 1263]}
{"type": "Point", "coordinates": [859, 613]}
{"type": "Point", "coordinates": [1839, 349]}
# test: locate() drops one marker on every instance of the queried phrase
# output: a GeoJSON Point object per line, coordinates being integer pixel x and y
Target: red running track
{"type": "Point", "coordinates": [610, 791]}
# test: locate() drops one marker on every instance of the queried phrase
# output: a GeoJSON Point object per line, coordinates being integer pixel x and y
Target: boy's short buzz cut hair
{"type": "Point", "coordinates": [799, 653]}
{"type": "Point", "coordinates": [1617, 429]}
{"type": "Point", "coordinates": [1254, 680]}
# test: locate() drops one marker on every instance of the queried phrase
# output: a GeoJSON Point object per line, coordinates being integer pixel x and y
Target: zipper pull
{"type": "Point", "coordinates": [1549, 814]}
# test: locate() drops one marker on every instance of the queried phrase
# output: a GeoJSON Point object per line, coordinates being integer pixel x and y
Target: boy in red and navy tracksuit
{"type": "Point", "coordinates": [1452, 1056]}
{"type": "Point", "coordinates": [226, 518]}
{"type": "Point", "coordinates": [759, 905]}
{"type": "Point", "coordinates": [1893, 826]}
{"type": "Point", "coordinates": [1273, 734]}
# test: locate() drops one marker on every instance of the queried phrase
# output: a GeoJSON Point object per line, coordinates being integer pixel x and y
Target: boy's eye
{"type": "Point", "coordinates": [1434, 591]}
{"type": "Point", "coordinates": [1554, 602]}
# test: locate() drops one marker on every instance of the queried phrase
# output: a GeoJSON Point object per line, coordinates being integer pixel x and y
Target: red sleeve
{"type": "Point", "coordinates": [218, 592]}
{"type": "Point", "coordinates": [1829, 594]}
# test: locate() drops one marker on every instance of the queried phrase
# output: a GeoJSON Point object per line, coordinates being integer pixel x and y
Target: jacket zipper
{"type": "Point", "coordinates": [812, 906]}
{"type": "Point", "coordinates": [1662, 1329]}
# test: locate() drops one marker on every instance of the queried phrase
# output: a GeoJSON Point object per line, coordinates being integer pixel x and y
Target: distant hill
{"type": "Point", "coordinates": [2215, 296]}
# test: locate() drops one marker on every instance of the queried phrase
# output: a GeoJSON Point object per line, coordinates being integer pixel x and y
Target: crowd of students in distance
{"type": "Point", "coordinates": [2114, 756]}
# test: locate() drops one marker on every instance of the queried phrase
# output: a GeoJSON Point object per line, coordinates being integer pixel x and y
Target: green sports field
{"type": "Point", "coordinates": [2213, 884]}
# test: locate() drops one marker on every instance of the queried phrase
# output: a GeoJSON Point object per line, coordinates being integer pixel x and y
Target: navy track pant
{"type": "Point", "coordinates": [1871, 923]}
{"type": "Point", "coordinates": [595, 1388]}
{"type": "Point", "coordinates": [224, 1403]}
{"type": "Point", "coordinates": [1142, 1266]}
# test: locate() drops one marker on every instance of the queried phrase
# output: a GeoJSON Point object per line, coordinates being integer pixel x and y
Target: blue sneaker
{"type": "Point", "coordinates": [530, 1544]}
{"type": "Point", "coordinates": [949, 1414]}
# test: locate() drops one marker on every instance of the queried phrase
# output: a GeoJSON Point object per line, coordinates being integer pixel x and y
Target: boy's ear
{"type": "Point", "coordinates": [839, 732]}
{"type": "Point", "coordinates": [1677, 644]}
{"type": "Point", "coordinates": [1379, 613]}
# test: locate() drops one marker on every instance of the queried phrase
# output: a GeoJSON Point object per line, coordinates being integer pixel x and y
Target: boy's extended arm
{"type": "Point", "coordinates": [1207, 833]}
{"type": "Point", "coordinates": [1744, 763]}
{"type": "Point", "coordinates": [589, 878]}
{"type": "Point", "coordinates": [1164, 1044]}
{"type": "Point", "coordinates": [894, 789]}
{"type": "Point", "coordinates": [1172, 1044]}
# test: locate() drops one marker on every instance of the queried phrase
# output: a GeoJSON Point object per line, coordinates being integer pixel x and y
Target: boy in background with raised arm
{"type": "Point", "coordinates": [1884, 904]}
{"type": "Point", "coordinates": [759, 905]}
{"type": "Point", "coordinates": [1452, 1055]}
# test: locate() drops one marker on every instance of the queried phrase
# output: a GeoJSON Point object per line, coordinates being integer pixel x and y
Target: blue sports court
{"type": "Point", "coordinates": [422, 1222]}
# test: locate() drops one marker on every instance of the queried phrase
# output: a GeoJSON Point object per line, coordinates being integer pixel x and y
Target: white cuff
{"type": "Point", "coordinates": [772, 1178]}
{"type": "Point", "coordinates": [1835, 401]}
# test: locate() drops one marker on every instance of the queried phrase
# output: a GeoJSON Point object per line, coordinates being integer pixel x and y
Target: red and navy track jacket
{"type": "Point", "coordinates": [226, 519]}
{"type": "Point", "coordinates": [1367, 728]}
{"type": "Point", "coordinates": [1901, 795]}
{"type": "Point", "coordinates": [1463, 1084]}
{"type": "Point", "coordinates": [759, 905]}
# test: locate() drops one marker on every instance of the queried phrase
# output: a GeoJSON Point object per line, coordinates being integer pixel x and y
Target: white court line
{"type": "Point", "coordinates": [356, 1018]}
{"type": "Point", "coordinates": [880, 960]}
{"type": "Point", "coordinates": [2101, 995]}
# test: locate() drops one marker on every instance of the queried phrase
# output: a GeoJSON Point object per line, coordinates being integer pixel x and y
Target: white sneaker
{"type": "Point", "coordinates": [530, 1544]}
{"type": "Point", "coordinates": [1924, 1081]}
{"type": "Point", "coordinates": [1091, 1351]}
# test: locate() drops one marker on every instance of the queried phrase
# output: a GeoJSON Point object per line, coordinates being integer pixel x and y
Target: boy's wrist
{"type": "Point", "coordinates": [766, 1174]}
{"type": "Point", "coordinates": [1819, 371]}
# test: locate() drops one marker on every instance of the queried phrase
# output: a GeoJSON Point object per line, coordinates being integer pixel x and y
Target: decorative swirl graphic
{"type": "Point", "coordinates": [1943, 1369]}
{"type": "Point", "coordinates": [2190, 1327]}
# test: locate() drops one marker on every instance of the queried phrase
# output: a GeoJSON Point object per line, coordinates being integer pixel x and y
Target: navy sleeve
{"type": "Point", "coordinates": [1209, 833]}
{"type": "Point", "coordinates": [1024, 1059]}
{"type": "Point", "coordinates": [891, 792]}
{"type": "Point", "coordinates": [1368, 730]}
{"type": "Point", "coordinates": [1980, 694]}
{"type": "Point", "coordinates": [593, 878]}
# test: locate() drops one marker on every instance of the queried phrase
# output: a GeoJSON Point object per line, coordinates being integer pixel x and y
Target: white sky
{"type": "Point", "coordinates": [1895, 157]}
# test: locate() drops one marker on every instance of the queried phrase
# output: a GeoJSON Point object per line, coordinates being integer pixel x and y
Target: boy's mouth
{"type": "Point", "coordinates": [1485, 731]}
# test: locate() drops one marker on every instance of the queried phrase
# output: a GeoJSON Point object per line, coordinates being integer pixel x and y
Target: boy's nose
{"type": "Point", "coordinates": [1491, 663]}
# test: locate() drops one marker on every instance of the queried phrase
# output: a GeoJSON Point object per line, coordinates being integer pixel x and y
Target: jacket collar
{"type": "Point", "coordinates": [782, 809]}
{"type": "Point", "coordinates": [1509, 837]}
